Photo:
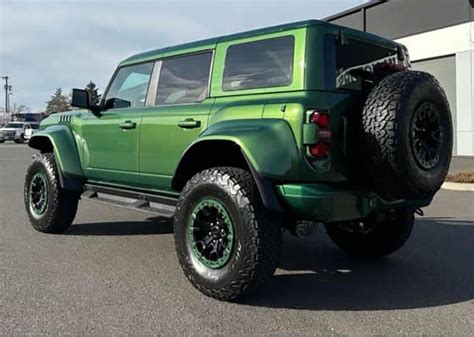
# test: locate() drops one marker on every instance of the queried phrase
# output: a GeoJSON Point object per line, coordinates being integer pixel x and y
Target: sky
{"type": "Point", "coordinates": [46, 45]}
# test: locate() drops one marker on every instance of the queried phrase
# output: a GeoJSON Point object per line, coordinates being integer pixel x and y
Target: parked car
{"type": "Point", "coordinates": [29, 132]}
{"type": "Point", "coordinates": [241, 136]}
{"type": "Point", "coordinates": [14, 131]}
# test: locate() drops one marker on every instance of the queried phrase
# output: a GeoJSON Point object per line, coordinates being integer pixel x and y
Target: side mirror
{"type": "Point", "coordinates": [81, 99]}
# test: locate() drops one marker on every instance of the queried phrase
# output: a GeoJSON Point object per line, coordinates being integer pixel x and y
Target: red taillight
{"type": "Point", "coordinates": [323, 121]}
{"type": "Point", "coordinates": [319, 150]}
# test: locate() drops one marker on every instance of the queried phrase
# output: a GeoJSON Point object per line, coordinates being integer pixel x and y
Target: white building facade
{"type": "Point", "coordinates": [439, 35]}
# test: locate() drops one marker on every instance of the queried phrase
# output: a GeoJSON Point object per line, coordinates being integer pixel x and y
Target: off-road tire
{"type": "Point", "coordinates": [384, 238]}
{"type": "Point", "coordinates": [61, 205]}
{"type": "Point", "coordinates": [257, 233]}
{"type": "Point", "coordinates": [387, 120]}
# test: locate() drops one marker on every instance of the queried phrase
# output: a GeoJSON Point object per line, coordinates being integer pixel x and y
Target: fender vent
{"type": "Point", "coordinates": [65, 119]}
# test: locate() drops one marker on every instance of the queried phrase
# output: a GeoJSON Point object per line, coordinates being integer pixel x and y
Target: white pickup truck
{"type": "Point", "coordinates": [19, 132]}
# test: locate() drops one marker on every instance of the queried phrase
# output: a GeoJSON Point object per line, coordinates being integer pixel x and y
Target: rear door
{"type": "Point", "coordinates": [181, 108]}
{"type": "Point", "coordinates": [112, 139]}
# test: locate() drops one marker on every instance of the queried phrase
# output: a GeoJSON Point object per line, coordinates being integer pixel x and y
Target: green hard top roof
{"type": "Point", "coordinates": [210, 43]}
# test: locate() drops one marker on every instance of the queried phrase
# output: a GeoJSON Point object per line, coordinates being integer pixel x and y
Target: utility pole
{"type": "Point", "coordinates": [7, 88]}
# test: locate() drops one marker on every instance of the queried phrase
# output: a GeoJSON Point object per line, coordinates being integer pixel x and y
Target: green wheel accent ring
{"type": "Point", "coordinates": [38, 194]}
{"type": "Point", "coordinates": [211, 233]}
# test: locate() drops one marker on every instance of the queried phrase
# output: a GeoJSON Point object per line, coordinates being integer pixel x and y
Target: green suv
{"type": "Point", "coordinates": [241, 136]}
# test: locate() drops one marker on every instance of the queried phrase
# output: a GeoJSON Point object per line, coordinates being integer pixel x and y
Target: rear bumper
{"type": "Point", "coordinates": [325, 203]}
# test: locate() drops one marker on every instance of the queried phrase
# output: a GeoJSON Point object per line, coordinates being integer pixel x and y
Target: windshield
{"type": "Point", "coordinates": [14, 125]}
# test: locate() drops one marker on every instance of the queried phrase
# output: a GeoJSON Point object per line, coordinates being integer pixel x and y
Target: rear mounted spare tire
{"type": "Point", "coordinates": [407, 131]}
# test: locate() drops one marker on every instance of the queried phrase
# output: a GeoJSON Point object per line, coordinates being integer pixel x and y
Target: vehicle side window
{"type": "Point", "coordinates": [184, 79]}
{"type": "Point", "coordinates": [129, 86]}
{"type": "Point", "coordinates": [259, 64]}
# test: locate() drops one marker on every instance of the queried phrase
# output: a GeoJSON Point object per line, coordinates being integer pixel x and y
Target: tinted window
{"type": "Point", "coordinates": [14, 125]}
{"type": "Point", "coordinates": [130, 85]}
{"type": "Point", "coordinates": [357, 57]}
{"type": "Point", "coordinates": [184, 79]}
{"type": "Point", "coordinates": [259, 64]}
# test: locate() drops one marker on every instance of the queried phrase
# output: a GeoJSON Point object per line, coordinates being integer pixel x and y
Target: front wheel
{"type": "Point", "coordinates": [227, 242]}
{"type": "Point", "coordinates": [50, 208]}
{"type": "Point", "coordinates": [373, 236]}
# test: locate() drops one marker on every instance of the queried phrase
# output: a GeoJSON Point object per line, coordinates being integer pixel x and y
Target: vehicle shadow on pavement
{"type": "Point", "coordinates": [434, 268]}
{"type": "Point", "coordinates": [153, 225]}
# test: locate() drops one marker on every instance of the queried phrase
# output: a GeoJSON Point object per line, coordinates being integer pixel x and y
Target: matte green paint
{"type": "Point", "coordinates": [269, 125]}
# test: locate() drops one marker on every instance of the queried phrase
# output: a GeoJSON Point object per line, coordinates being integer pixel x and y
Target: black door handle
{"type": "Point", "coordinates": [127, 125]}
{"type": "Point", "coordinates": [189, 123]}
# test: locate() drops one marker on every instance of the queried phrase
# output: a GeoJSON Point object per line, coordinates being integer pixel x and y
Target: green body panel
{"type": "Point", "coordinates": [163, 142]}
{"type": "Point", "coordinates": [326, 203]}
{"type": "Point", "coordinates": [111, 153]}
{"type": "Point", "coordinates": [267, 143]}
{"type": "Point", "coordinates": [270, 125]}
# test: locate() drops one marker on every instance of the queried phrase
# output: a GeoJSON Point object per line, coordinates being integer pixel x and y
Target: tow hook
{"type": "Point", "coordinates": [419, 212]}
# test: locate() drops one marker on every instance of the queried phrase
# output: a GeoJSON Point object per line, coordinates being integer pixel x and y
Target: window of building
{"type": "Point", "coordinates": [259, 64]}
{"type": "Point", "coordinates": [184, 79]}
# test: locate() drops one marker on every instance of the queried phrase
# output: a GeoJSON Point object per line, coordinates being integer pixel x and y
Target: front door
{"type": "Point", "coordinates": [112, 139]}
{"type": "Point", "coordinates": [180, 113]}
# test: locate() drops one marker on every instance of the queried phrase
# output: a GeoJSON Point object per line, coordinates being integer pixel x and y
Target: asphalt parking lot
{"type": "Point", "coordinates": [115, 272]}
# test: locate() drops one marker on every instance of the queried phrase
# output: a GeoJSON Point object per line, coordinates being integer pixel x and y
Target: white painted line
{"type": "Point", "coordinates": [458, 187]}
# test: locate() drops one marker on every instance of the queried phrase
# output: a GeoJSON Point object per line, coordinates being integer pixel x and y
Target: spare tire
{"type": "Point", "coordinates": [408, 136]}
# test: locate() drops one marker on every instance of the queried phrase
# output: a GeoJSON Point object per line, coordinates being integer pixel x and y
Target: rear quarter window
{"type": "Point", "coordinates": [259, 64]}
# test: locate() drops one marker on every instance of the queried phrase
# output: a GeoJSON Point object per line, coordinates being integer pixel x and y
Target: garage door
{"type": "Point", "coordinates": [444, 69]}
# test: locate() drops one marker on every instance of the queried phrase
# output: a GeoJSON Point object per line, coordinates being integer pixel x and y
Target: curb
{"type": "Point", "coordinates": [458, 186]}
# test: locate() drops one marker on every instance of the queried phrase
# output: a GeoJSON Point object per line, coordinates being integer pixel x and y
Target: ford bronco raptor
{"type": "Point", "coordinates": [241, 136]}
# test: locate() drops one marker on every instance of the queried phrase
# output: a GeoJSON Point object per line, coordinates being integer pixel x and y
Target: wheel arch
{"type": "Point", "coordinates": [60, 140]}
{"type": "Point", "coordinates": [201, 155]}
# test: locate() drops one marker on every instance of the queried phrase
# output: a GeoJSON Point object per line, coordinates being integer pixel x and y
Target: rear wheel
{"type": "Point", "coordinates": [50, 208]}
{"type": "Point", "coordinates": [227, 242]}
{"type": "Point", "coordinates": [372, 236]}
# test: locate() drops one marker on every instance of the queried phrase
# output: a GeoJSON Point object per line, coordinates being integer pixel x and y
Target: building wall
{"type": "Point", "coordinates": [432, 30]}
{"type": "Point", "coordinates": [457, 40]}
